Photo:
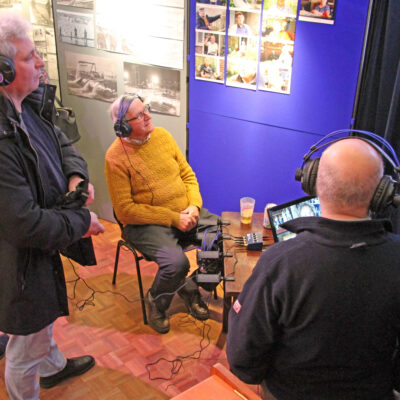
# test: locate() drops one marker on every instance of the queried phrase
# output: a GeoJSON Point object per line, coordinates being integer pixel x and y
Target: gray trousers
{"type": "Point", "coordinates": [165, 245]}
{"type": "Point", "coordinates": [29, 356]}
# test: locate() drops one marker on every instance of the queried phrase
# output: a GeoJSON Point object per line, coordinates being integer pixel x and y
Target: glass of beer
{"type": "Point", "coordinates": [246, 209]}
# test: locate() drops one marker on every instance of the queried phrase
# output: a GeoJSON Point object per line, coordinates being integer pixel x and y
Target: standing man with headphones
{"type": "Point", "coordinates": [155, 195]}
{"type": "Point", "coordinates": [319, 318]}
{"type": "Point", "coordinates": [37, 167]}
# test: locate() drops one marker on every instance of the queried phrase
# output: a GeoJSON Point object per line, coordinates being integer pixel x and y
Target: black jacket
{"type": "Point", "coordinates": [32, 284]}
{"type": "Point", "coordinates": [320, 315]}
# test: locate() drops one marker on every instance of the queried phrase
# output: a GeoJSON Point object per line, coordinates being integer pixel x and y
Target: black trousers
{"type": "Point", "coordinates": [165, 245]}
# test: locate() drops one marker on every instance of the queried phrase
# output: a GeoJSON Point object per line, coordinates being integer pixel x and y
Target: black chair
{"type": "Point", "coordinates": [138, 257]}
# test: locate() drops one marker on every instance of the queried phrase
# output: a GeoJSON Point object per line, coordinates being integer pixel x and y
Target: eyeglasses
{"type": "Point", "coordinates": [141, 114]}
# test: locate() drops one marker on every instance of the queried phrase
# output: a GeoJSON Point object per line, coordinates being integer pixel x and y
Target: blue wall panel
{"type": "Point", "coordinates": [244, 142]}
{"type": "Point", "coordinates": [242, 158]}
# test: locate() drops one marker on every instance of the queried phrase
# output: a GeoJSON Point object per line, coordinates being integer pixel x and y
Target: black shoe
{"type": "Point", "coordinates": [75, 366]}
{"type": "Point", "coordinates": [3, 344]}
{"type": "Point", "coordinates": [195, 305]}
{"type": "Point", "coordinates": [157, 319]}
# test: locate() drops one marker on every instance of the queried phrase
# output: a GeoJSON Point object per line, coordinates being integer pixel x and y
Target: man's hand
{"type": "Point", "coordinates": [73, 183]}
{"type": "Point", "coordinates": [95, 226]}
{"type": "Point", "coordinates": [188, 219]}
{"type": "Point", "coordinates": [192, 210]}
{"type": "Point", "coordinates": [186, 222]}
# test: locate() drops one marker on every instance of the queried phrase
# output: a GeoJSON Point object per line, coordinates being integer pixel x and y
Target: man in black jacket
{"type": "Point", "coordinates": [37, 167]}
{"type": "Point", "coordinates": [319, 318]}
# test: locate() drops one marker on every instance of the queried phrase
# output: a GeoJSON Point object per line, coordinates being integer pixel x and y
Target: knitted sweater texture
{"type": "Point", "coordinates": [150, 183]}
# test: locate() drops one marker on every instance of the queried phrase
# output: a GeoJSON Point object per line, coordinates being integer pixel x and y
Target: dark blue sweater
{"type": "Point", "coordinates": [320, 314]}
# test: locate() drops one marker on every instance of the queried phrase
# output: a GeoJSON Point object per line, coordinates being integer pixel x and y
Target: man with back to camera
{"type": "Point", "coordinates": [320, 315]}
{"type": "Point", "coordinates": [37, 166]}
{"type": "Point", "coordinates": [155, 195]}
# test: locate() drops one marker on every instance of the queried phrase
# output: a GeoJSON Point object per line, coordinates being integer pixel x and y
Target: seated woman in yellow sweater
{"type": "Point", "coordinates": [155, 194]}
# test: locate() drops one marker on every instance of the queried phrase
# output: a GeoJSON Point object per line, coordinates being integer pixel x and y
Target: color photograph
{"type": "Point", "coordinates": [319, 11]}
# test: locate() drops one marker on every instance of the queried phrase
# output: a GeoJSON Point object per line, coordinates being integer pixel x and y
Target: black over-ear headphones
{"type": "Point", "coordinates": [7, 70]}
{"type": "Point", "coordinates": [122, 127]}
{"type": "Point", "coordinates": [386, 193]}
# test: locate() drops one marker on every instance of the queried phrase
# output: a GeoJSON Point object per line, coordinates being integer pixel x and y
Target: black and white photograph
{"type": "Point", "coordinates": [168, 3]}
{"type": "Point", "coordinates": [91, 77]}
{"type": "Point", "coordinates": [11, 4]}
{"type": "Point", "coordinates": [77, 3]}
{"type": "Point", "coordinates": [112, 37]}
{"type": "Point", "coordinates": [76, 28]}
{"type": "Point", "coordinates": [41, 12]}
{"type": "Point", "coordinates": [159, 87]}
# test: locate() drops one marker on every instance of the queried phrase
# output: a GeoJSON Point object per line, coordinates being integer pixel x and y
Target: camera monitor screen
{"type": "Point", "coordinates": [304, 207]}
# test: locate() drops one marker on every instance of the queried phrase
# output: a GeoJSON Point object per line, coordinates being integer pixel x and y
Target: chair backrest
{"type": "Point", "coordinates": [118, 222]}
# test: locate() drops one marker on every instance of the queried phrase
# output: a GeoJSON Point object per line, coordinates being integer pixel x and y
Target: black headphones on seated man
{"type": "Point", "coordinates": [7, 70]}
{"type": "Point", "coordinates": [122, 127]}
{"type": "Point", "coordinates": [386, 193]}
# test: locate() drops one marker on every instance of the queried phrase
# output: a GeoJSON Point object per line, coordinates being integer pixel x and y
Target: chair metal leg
{"type": "Point", "coordinates": [120, 243]}
{"type": "Point", "coordinates": [139, 276]}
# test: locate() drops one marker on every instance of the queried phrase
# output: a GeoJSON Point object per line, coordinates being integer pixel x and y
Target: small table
{"type": "Point", "coordinates": [241, 265]}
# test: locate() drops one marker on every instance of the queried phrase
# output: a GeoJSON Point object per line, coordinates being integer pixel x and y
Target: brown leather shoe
{"type": "Point", "coordinates": [157, 319]}
{"type": "Point", "coordinates": [75, 366]}
{"type": "Point", "coordinates": [195, 305]}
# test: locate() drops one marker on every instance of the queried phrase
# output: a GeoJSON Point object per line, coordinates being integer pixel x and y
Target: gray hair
{"type": "Point", "coordinates": [114, 108]}
{"type": "Point", "coordinates": [12, 27]}
{"type": "Point", "coordinates": [347, 191]}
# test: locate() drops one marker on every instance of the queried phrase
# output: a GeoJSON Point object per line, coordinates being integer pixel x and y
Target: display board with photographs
{"type": "Point", "coordinates": [40, 14]}
{"type": "Point", "coordinates": [277, 45]}
{"type": "Point", "coordinates": [158, 42]}
{"type": "Point", "coordinates": [159, 87]}
{"type": "Point", "coordinates": [210, 40]}
{"type": "Point", "coordinates": [320, 11]}
{"type": "Point", "coordinates": [91, 77]}
{"type": "Point", "coordinates": [258, 43]}
{"type": "Point", "coordinates": [76, 28]}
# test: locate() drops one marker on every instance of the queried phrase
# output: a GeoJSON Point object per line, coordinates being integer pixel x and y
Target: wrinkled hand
{"type": "Point", "coordinates": [95, 226]}
{"type": "Point", "coordinates": [188, 218]}
{"type": "Point", "coordinates": [186, 222]}
{"type": "Point", "coordinates": [73, 183]}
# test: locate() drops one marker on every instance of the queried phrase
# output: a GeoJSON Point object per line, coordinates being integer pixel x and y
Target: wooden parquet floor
{"type": "Point", "coordinates": [132, 360]}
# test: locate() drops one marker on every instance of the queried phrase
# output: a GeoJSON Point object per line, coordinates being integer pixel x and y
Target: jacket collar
{"type": "Point", "coordinates": [41, 101]}
{"type": "Point", "coordinates": [341, 233]}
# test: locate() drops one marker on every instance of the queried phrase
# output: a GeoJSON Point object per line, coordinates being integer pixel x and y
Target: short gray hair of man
{"type": "Point", "coordinates": [12, 27]}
